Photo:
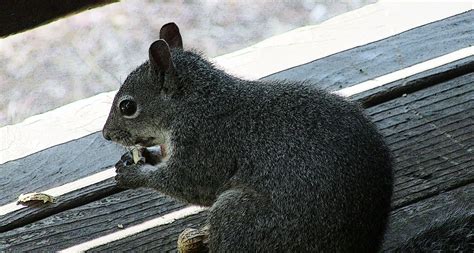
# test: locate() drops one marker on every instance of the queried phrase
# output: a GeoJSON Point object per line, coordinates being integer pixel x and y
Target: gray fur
{"type": "Point", "coordinates": [452, 232]}
{"type": "Point", "coordinates": [284, 166]}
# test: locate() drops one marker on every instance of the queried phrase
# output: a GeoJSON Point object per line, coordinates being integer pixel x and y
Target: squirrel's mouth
{"type": "Point", "coordinates": [146, 142]}
{"type": "Point", "coordinates": [151, 148]}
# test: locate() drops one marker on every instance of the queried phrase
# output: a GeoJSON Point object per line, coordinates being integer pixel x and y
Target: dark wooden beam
{"type": "Point", "coordinates": [21, 15]}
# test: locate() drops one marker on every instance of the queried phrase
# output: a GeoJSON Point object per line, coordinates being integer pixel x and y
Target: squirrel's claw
{"type": "Point", "coordinates": [129, 175]}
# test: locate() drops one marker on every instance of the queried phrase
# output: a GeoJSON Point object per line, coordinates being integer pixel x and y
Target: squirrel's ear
{"type": "Point", "coordinates": [160, 57]}
{"type": "Point", "coordinates": [170, 33]}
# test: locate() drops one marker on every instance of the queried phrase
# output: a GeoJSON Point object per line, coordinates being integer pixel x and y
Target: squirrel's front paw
{"type": "Point", "coordinates": [130, 175]}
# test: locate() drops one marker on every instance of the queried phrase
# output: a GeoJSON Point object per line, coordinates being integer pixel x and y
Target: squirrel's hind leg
{"type": "Point", "coordinates": [242, 221]}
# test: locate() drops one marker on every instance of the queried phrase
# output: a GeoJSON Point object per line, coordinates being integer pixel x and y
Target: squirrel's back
{"type": "Point", "coordinates": [316, 156]}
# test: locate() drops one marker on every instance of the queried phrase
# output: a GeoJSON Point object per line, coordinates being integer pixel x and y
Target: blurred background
{"type": "Point", "coordinates": [93, 51]}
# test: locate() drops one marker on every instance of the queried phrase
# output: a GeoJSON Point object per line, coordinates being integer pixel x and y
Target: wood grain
{"type": "Point", "coordinates": [89, 221]}
{"type": "Point", "coordinates": [360, 64]}
{"type": "Point", "coordinates": [67, 201]}
{"type": "Point", "coordinates": [431, 139]}
{"type": "Point", "coordinates": [158, 239]}
{"type": "Point", "coordinates": [57, 165]}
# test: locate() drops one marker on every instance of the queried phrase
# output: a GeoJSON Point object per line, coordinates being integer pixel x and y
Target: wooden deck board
{"type": "Point", "coordinates": [54, 167]}
{"type": "Point", "coordinates": [158, 239]}
{"type": "Point", "coordinates": [421, 172]}
{"type": "Point", "coordinates": [415, 82]}
{"type": "Point", "coordinates": [359, 64]}
{"type": "Point", "coordinates": [57, 165]}
{"type": "Point", "coordinates": [67, 201]}
{"type": "Point", "coordinates": [89, 221]}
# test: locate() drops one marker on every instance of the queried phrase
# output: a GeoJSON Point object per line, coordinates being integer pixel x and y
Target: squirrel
{"type": "Point", "coordinates": [283, 166]}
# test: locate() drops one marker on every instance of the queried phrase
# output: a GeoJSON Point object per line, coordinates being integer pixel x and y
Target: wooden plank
{"type": "Point", "coordinates": [405, 222]}
{"type": "Point", "coordinates": [158, 239]}
{"type": "Point", "coordinates": [64, 124]}
{"type": "Point", "coordinates": [52, 168]}
{"type": "Point", "coordinates": [355, 29]}
{"type": "Point", "coordinates": [413, 125]}
{"type": "Point", "coordinates": [27, 215]}
{"type": "Point", "coordinates": [20, 15]}
{"type": "Point", "coordinates": [428, 132]}
{"type": "Point", "coordinates": [359, 64]}
{"type": "Point", "coordinates": [89, 221]}
{"type": "Point", "coordinates": [57, 165]}
{"type": "Point", "coordinates": [415, 82]}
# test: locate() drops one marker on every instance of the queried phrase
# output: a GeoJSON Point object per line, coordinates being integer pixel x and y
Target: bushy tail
{"type": "Point", "coordinates": [453, 234]}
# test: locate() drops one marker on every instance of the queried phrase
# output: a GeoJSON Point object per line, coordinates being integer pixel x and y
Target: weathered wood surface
{"type": "Point", "coordinates": [54, 167]}
{"type": "Point", "coordinates": [149, 241]}
{"type": "Point", "coordinates": [431, 136]}
{"type": "Point", "coordinates": [359, 64]}
{"type": "Point", "coordinates": [57, 165]}
{"type": "Point", "coordinates": [27, 215]}
{"type": "Point", "coordinates": [88, 221]}
{"type": "Point", "coordinates": [415, 82]}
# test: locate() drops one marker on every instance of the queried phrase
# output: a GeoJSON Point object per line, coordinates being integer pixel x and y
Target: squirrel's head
{"type": "Point", "coordinates": [140, 110]}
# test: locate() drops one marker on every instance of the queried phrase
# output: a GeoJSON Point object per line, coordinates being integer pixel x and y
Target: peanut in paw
{"type": "Point", "coordinates": [135, 155]}
{"type": "Point", "coordinates": [151, 155]}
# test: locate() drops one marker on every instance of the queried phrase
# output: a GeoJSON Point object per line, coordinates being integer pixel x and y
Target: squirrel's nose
{"type": "Point", "coordinates": [106, 135]}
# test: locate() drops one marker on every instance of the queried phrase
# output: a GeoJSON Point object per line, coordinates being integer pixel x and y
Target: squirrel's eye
{"type": "Point", "coordinates": [128, 107]}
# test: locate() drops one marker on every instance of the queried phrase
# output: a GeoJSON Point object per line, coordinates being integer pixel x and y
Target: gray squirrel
{"type": "Point", "coordinates": [283, 166]}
